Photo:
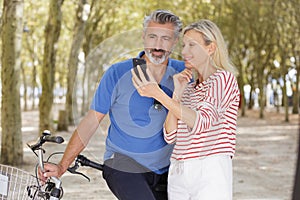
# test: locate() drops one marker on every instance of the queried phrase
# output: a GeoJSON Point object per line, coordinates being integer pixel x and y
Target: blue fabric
{"type": "Point", "coordinates": [136, 127]}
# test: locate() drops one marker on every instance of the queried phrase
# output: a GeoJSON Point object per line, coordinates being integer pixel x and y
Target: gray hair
{"type": "Point", "coordinates": [163, 17]}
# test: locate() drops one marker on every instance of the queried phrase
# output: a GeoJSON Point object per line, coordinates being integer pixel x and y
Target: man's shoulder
{"type": "Point", "coordinates": [120, 67]}
{"type": "Point", "coordinates": [176, 62]}
{"type": "Point", "coordinates": [123, 63]}
{"type": "Point", "coordinates": [178, 65]}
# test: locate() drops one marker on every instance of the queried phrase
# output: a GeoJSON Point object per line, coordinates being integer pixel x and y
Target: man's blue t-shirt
{"type": "Point", "coordinates": [136, 128]}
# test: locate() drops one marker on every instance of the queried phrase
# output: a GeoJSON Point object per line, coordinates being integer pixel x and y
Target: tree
{"type": "Point", "coordinates": [295, 43]}
{"type": "Point", "coordinates": [81, 18]}
{"type": "Point", "coordinates": [32, 46]}
{"type": "Point", "coordinates": [24, 86]}
{"type": "Point", "coordinates": [287, 44]}
{"type": "Point", "coordinates": [238, 47]}
{"type": "Point", "coordinates": [52, 32]}
{"type": "Point", "coordinates": [34, 60]}
{"type": "Point", "coordinates": [100, 26]}
{"type": "Point", "coordinates": [12, 28]}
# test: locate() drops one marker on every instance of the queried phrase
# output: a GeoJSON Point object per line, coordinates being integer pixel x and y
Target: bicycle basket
{"type": "Point", "coordinates": [15, 183]}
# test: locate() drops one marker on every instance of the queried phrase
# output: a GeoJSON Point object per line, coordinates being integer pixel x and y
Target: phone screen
{"type": "Point", "coordinates": [142, 63]}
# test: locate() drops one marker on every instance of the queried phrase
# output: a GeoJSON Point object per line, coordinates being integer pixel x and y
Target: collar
{"type": "Point", "coordinates": [169, 71]}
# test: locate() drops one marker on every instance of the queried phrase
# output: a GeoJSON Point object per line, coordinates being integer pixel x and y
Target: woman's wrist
{"type": "Point", "coordinates": [176, 97]}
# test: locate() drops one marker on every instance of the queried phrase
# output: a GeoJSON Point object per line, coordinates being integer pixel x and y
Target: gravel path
{"type": "Point", "coordinates": [264, 164]}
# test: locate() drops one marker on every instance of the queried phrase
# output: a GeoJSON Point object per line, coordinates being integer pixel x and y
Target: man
{"type": "Point", "coordinates": [136, 159]}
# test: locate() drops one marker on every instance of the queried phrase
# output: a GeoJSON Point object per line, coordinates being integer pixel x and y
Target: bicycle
{"type": "Point", "coordinates": [82, 160]}
{"type": "Point", "coordinates": [19, 184]}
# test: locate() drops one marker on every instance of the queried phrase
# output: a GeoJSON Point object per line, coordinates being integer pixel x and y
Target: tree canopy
{"type": "Point", "coordinates": [67, 45]}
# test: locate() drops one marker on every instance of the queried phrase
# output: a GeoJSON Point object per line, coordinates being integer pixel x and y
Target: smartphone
{"type": "Point", "coordinates": [141, 62]}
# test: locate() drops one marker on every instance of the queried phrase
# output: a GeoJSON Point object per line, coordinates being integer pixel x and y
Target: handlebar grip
{"type": "Point", "coordinates": [55, 139]}
{"type": "Point", "coordinates": [46, 137]}
{"type": "Point", "coordinates": [95, 165]}
{"type": "Point", "coordinates": [86, 162]}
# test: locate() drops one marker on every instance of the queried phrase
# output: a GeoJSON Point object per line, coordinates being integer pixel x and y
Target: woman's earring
{"type": "Point", "coordinates": [211, 60]}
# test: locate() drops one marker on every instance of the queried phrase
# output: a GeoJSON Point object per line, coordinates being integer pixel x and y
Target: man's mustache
{"type": "Point", "coordinates": [157, 50]}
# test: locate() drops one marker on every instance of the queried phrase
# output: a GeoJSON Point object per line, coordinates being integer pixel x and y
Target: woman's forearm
{"type": "Point", "coordinates": [178, 111]}
{"type": "Point", "coordinates": [171, 121]}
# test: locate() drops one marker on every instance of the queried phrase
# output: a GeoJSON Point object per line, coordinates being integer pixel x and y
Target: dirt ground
{"type": "Point", "coordinates": [264, 164]}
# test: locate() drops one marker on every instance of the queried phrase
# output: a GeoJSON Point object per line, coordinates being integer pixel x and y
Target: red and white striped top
{"type": "Point", "coordinates": [216, 102]}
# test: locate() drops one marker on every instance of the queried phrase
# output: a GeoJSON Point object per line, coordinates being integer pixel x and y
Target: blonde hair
{"type": "Point", "coordinates": [211, 33]}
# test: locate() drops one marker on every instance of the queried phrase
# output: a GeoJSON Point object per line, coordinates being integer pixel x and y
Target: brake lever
{"type": "Point", "coordinates": [73, 171]}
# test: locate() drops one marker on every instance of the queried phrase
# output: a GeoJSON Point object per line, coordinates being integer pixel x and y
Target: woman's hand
{"type": "Point", "coordinates": [180, 81]}
{"type": "Point", "coordinates": [146, 88]}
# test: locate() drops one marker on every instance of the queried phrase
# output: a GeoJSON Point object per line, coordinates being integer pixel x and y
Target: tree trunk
{"type": "Point", "coordinates": [25, 87]}
{"type": "Point", "coordinates": [285, 101]}
{"type": "Point", "coordinates": [12, 29]}
{"type": "Point", "coordinates": [242, 93]}
{"type": "Point", "coordinates": [33, 54]}
{"type": "Point", "coordinates": [261, 98]}
{"type": "Point", "coordinates": [34, 85]}
{"type": "Point", "coordinates": [71, 103]}
{"type": "Point", "coordinates": [296, 87]}
{"type": "Point", "coordinates": [260, 85]}
{"type": "Point", "coordinates": [84, 104]}
{"type": "Point", "coordinates": [62, 121]}
{"type": "Point", "coordinates": [90, 30]}
{"type": "Point", "coordinates": [252, 90]}
{"type": "Point", "coordinates": [52, 32]}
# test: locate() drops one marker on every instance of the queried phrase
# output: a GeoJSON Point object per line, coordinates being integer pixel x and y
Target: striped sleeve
{"type": "Point", "coordinates": [170, 137]}
{"type": "Point", "coordinates": [206, 114]}
{"type": "Point", "coordinates": [221, 100]}
{"type": "Point", "coordinates": [231, 100]}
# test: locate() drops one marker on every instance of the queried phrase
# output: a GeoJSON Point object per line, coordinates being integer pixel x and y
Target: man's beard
{"type": "Point", "coordinates": [157, 59]}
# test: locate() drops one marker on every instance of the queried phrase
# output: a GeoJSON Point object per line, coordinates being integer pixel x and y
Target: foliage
{"type": "Point", "coordinates": [257, 32]}
{"type": "Point", "coordinates": [263, 38]}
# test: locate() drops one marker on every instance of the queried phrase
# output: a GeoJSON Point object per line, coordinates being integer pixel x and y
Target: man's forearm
{"type": "Point", "coordinates": [74, 147]}
{"type": "Point", "coordinates": [80, 138]}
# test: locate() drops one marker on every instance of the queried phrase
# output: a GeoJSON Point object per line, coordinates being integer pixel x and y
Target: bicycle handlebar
{"type": "Point", "coordinates": [84, 161]}
{"type": "Point", "coordinates": [46, 137]}
{"type": "Point", "coordinates": [54, 190]}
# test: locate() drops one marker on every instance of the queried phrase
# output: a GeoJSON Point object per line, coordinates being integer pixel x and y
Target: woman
{"type": "Point", "coordinates": [202, 116]}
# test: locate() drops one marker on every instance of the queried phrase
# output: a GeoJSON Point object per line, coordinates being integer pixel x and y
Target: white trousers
{"type": "Point", "coordinates": [209, 178]}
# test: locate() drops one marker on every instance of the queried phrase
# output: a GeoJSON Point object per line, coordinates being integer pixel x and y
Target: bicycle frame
{"type": "Point", "coordinates": [56, 189]}
{"type": "Point", "coordinates": [56, 192]}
